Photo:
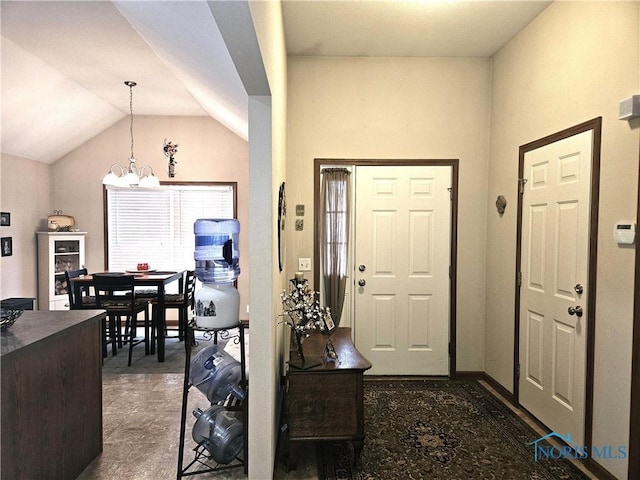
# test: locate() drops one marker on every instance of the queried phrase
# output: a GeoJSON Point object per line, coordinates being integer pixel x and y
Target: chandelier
{"type": "Point", "coordinates": [130, 176]}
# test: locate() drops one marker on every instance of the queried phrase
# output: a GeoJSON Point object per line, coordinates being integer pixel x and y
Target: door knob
{"type": "Point", "coordinates": [575, 311]}
{"type": "Point", "coordinates": [362, 268]}
{"type": "Point", "coordinates": [362, 282]}
{"type": "Point", "coordinates": [579, 289]}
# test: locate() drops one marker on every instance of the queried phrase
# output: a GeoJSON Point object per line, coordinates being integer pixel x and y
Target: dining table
{"type": "Point", "coordinates": [157, 280]}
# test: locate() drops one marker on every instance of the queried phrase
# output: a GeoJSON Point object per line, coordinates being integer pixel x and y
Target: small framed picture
{"type": "Point", "coordinates": [5, 219]}
{"type": "Point", "coordinates": [6, 244]}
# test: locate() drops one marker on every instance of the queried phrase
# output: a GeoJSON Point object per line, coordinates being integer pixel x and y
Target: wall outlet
{"type": "Point", "coordinates": [304, 264]}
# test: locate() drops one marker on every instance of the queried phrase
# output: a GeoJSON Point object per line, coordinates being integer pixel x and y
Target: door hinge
{"type": "Point", "coordinates": [518, 371]}
{"type": "Point", "coordinates": [521, 184]}
{"type": "Point", "coordinates": [450, 189]}
{"type": "Point", "coordinates": [519, 279]}
{"type": "Point", "coordinates": [450, 271]}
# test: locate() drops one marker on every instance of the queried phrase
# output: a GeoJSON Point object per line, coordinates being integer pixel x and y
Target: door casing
{"type": "Point", "coordinates": [595, 125]}
{"type": "Point", "coordinates": [454, 164]}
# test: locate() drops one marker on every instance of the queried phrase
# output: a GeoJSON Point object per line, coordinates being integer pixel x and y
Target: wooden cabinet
{"type": "Point", "coordinates": [325, 402]}
{"type": "Point", "coordinates": [51, 394]}
{"type": "Point", "coordinates": [57, 252]}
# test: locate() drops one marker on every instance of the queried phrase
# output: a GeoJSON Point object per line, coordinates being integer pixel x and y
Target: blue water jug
{"type": "Point", "coordinates": [216, 253]}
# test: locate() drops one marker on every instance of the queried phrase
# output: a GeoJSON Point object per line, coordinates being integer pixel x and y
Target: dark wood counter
{"type": "Point", "coordinates": [51, 394]}
{"type": "Point", "coordinates": [325, 402]}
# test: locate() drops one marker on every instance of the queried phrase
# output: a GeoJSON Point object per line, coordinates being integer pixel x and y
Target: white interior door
{"type": "Point", "coordinates": [554, 264]}
{"type": "Point", "coordinates": [401, 276]}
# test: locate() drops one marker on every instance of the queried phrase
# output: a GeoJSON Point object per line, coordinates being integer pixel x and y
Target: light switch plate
{"type": "Point", "coordinates": [304, 264]}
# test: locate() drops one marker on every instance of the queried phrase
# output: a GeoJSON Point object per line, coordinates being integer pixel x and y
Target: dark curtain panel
{"type": "Point", "coordinates": [334, 248]}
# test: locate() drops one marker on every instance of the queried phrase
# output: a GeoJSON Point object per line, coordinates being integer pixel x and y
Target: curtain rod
{"type": "Point", "coordinates": [335, 170]}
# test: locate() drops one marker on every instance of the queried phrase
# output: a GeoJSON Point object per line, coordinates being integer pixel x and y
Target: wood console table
{"type": "Point", "coordinates": [325, 402]}
{"type": "Point", "coordinates": [51, 394]}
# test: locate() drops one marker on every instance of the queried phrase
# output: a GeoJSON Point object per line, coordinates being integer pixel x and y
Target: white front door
{"type": "Point", "coordinates": [553, 293]}
{"type": "Point", "coordinates": [401, 275]}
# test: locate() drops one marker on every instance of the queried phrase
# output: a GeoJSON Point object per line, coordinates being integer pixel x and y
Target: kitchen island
{"type": "Point", "coordinates": [51, 394]}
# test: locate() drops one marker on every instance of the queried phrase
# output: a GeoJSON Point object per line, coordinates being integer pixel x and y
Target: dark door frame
{"type": "Point", "coordinates": [595, 125]}
{"type": "Point", "coordinates": [634, 421]}
{"type": "Point", "coordinates": [454, 164]}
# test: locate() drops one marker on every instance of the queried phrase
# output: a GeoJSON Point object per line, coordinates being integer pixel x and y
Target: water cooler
{"type": "Point", "coordinates": [217, 267]}
{"type": "Point", "coordinates": [218, 430]}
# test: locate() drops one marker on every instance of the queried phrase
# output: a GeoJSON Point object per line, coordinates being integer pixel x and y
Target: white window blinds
{"type": "Point", "coordinates": [155, 226]}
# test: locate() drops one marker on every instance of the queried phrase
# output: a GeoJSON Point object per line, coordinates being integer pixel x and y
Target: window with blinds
{"type": "Point", "coordinates": [155, 226]}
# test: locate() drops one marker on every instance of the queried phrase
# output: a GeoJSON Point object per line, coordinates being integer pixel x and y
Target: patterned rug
{"type": "Point", "coordinates": [439, 429]}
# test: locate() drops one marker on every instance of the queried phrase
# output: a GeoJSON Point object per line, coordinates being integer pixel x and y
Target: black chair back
{"type": "Point", "coordinates": [189, 290]}
{"type": "Point", "coordinates": [68, 275]}
{"type": "Point", "coordinates": [114, 291]}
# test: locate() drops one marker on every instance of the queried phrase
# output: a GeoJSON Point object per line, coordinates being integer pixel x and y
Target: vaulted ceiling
{"type": "Point", "coordinates": [64, 63]}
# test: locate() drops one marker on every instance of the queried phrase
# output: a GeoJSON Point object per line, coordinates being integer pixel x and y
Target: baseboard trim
{"type": "Point", "coordinates": [477, 375]}
{"type": "Point", "coordinates": [598, 470]}
{"type": "Point", "coordinates": [499, 388]}
{"type": "Point", "coordinates": [472, 375]}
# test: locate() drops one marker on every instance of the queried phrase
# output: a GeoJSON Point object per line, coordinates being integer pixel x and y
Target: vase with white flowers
{"type": "Point", "coordinates": [303, 313]}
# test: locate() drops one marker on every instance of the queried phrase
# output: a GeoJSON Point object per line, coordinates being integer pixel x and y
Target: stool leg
{"type": "Point", "coordinates": [104, 337]}
{"type": "Point", "coordinates": [146, 331]}
{"type": "Point", "coordinates": [114, 336]}
{"type": "Point", "coordinates": [154, 316]}
{"type": "Point", "coordinates": [181, 322]}
{"type": "Point", "coordinates": [132, 327]}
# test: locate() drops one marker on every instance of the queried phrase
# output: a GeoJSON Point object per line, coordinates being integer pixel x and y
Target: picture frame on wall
{"type": "Point", "coordinates": [282, 213]}
{"type": "Point", "coordinates": [5, 219]}
{"type": "Point", "coordinates": [6, 246]}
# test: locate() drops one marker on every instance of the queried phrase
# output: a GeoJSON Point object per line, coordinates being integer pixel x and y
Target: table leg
{"type": "Point", "coordinates": [161, 321]}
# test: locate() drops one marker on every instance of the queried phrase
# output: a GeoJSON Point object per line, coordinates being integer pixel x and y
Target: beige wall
{"type": "Point", "coordinates": [575, 62]}
{"type": "Point", "coordinates": [268, 133]}
{"type": "Point", "coordinates": [26, 195]}
{"type": "Point", "coordinates": [207, 151]}
{"type": "Point", "coordinates": [398, 108]}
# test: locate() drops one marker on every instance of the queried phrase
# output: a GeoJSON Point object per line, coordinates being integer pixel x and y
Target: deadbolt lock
{"type": "Point", "coordinates": [362, 268]}
{"type": "Point", "coordinates": [579, 289]}
{"type": "Point", "coordinates": [362, 282]}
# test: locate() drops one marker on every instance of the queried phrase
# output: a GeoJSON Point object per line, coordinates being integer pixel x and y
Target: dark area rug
{"type": "Point", "coordinates": [439, 429]}
{"type": "Point", "coordinates": [141, 363]}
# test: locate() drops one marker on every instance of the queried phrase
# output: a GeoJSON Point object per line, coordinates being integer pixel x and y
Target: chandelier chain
{"type": "Point", "coordinates": [131, 84]}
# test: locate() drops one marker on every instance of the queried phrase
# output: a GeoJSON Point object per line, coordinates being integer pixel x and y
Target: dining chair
{"type": "Point", "coordinates": [88, 301]}
{"type": "Point", "coordinates": [183, 302]}
{"type": "Point", "coordinates": [115, 293]}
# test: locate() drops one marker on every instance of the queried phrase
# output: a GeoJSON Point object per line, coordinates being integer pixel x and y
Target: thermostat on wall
{"type": "Point", "coordinates": [624, 233]}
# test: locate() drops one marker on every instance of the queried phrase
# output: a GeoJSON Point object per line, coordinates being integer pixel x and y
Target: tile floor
{"type": "Point", "coordinates": [141, 432]}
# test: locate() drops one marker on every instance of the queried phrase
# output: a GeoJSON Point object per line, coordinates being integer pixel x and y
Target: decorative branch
{"type": "Point", "coordinates": [170, 149]}
{"type": "Point", "coordinates": [303, 313]}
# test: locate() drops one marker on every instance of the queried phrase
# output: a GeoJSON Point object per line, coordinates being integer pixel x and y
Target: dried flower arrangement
{"type": "Point", "coordinates": [170, 149]}
{"type": "Point", "coordinates": [303, 313]}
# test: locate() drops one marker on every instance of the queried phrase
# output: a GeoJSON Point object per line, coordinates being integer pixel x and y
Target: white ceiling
{"type": "Point", "coordinates": [64, 63]}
